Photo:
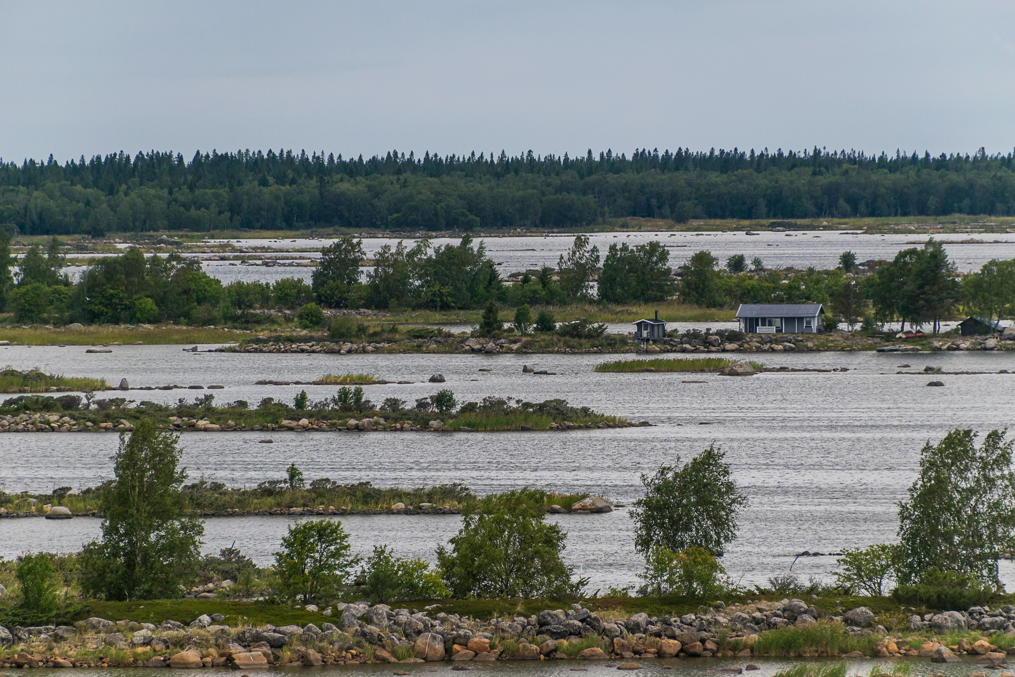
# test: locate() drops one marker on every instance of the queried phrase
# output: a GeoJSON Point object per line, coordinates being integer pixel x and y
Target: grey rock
{"type": "Point", "coordinates": [273, 639]}
{"type": "Point", "coordinates": [378, 616]}
{"type": "Point", "coordinates": [6, 638]}
{"type": "Point", "coordinates": [948, 620]}
{"type": "Point", "coordinates": [96, 624]}
{"type": "Point", "coordinates": [943, 654]}
{"type": "Point", "coordinates": [860, 617]}
{"type": "Point", "coordinates": [637, 623]}
{"type": "Point", "coordinates": [311, 629]}
{"type": "Point", "coordinates": [202, 621]}
{"type": "Point", "coordinates": [548, 617]}
{"type": "Point", "coordinates": [289, 630]}
{"type": "Point", "coordinates": [348, 620]}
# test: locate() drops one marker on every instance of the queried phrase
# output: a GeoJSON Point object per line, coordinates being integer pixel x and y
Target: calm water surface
{"type": "Point", "coordinates": [823, 457]}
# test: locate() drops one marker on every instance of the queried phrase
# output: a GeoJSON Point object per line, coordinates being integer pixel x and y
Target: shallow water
{"type": "Point", "coordinates": [823, 457]}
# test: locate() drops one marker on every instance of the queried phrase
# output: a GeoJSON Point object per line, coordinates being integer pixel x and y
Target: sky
{"type": "Point", "coordinates": [453, 76]}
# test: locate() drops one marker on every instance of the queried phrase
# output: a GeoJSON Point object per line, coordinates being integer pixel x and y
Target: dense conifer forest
{"type": "Point", "coordinates": [398, 192]}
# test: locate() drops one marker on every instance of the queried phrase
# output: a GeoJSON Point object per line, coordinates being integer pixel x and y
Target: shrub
{"type": "Point", "coordinates": [386, 578]}
{"type": "Point", "coordinates": [301, 400]}
{"type": "Point", "coordinates": [581, 329]}
{"type": "Point", "coordinates": [490, 322]}
{"type": "Point", "coordinates": [693, 505]}
{"type": "Point", "coordinates": [866, 570]}
{"type": "Point", "coordinates": [694, 572]}
{"type": "Point", "coordinates": [35, 574]}
{"type": "Point", "coordinates": [315, 561]}
{"type": "Point", "coordinates": [444, 401]}
{"type": "Point", "coordinates": [230, 564]}
{"type": "Point", "coordinates": [545, 322]}
{"type": "Point", "coordinates": [505, 548]}
{"type": "Point", "coordinates": [345, 327]}
{"type": "Point", "coordinates": [946, 590]}
{"type": "Point", "coordinates": [523, 319]}
{"type": "Point", "coordinates": [310, 316]}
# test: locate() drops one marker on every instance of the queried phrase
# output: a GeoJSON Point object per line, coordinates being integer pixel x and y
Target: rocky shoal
{"type": "Point", "coordinates": [363, 633]}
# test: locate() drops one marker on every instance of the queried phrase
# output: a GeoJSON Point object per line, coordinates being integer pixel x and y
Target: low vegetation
{"type": "Point", "coordinates": [675, 365]}
{"type": "Point", "coordinates": [346, 380]}
{"type": "Point", "coordinates": [35, 381]}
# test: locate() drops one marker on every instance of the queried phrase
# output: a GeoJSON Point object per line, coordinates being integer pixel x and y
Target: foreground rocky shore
{"type": "Point", "coordinates": [360, 633]}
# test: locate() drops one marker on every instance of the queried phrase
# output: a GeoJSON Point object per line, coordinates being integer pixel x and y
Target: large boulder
{"type": "Point", "coordinates": [948, 620]}
{"type": "Point", "coordinates": [551, 617]}
{"type": "Point", "coordinates": [861, 617]}
{"type": "Point", "coordinates": [6, 638]}
{"type": "Point", "coordinates": [592, 504]}
{"type": "Point", "coordinates": [526, 652]}
{"type": "Point", "coordinates": [186, 660]}
{"type": "Point", "coordinates": [59, 512]}
{"type": "Point", "coordinates": [943, 654]}
{"type": "Point", "coordinates": [593, 653]}
{"type": "Point", "coordinates": [429, 647]}
{"type": "Point", "coordinates": [249, 660]}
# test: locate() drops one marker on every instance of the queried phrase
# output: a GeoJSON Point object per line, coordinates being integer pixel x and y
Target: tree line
{"type": "Point", "coordinates": [287, 190]}
{"type": "Point", "coordinates": [918, 286]}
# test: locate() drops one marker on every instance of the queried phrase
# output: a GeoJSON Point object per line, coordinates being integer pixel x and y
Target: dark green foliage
{"type": "Point", "coordinates": [639, 273]}
{"type": "Point", "coordinates": [866, 571]}
{"type": "Point", "coordinates": [444, 402]}
{"type": "Point", "coordinates": [691, 573]}
{"type": "Point", "coordinates": [918, 286]}
{"type": "Point", "coordinates": [301, 400]}
{"type": "Point", "coordinates": [523, 319]}
{"type": "Point", "coordinates": [990, 293]}
{"type": "Point", "coordinates": [577, 269]}
{"type": "Point", "coordinates": [148, 548]}
{"type": "Point", "coordinates": [344, 327]}
{"type": "Point", "coordinates": [545, 322]}
{"type": "Point", "coordinates": [404, 192]}
{"type": "Point", "coordinates": [736, 264]}
{"type": "Point", "coordinates": [230, 564]}
{"type": "Point", "coordinates": [36, 575]}
{"type": "Point", "coordinates": [847, 261]}
{"type": "Point", "coordinates": [699, 281]}
{"type": "Point", "coordinates": [386, 578]}
{"type": "Point", "coordinates": [581, 329]}
{"type": "Point", "coordinates": [337, 272]}
{"type": "Point", "coordinates": [490, 323]}
{"type": "Point", "coordinates": [315, 561]}
{"type": "Point", "coordinates": [310, 316]}
{"type": "Point", "coordinates": [294, 477]}
{"type": "Point", "coordinates": [505, 548]}
{"type": "Point", "coordinates": [960, 515]}
{"type": "Point", "coordinates": [691, 505]}
{"type": "Point", "coordinates": [946, 590]}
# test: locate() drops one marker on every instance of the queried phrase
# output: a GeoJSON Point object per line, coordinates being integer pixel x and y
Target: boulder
{"type": "Point", "coordinates": [436, 378]}
{"type": "Point", "coordinates": [861, 617]}
{"type": "Point", "coordinates": [935, 384]}
{"type": "Point", "coordinates": [551, 617]}
{"type": "Point", "coordinates": [6, 638]}
{"type": "Point", "coordinates": [593, 653]}
{"type": "Point", "coordinates": [637, 623]}
{"type": "Point", "coordinates": [668, 648]}
{"type": "Point", "coordinates": [59, 512]}
{"type": "Point", "coordinates": [123, 384]}
{"type": "Point", "coordinates": [478, 645]}
{"type": "Point", "coordinates": [592, 504]}
{"type": "Point", "coordinates": [249, 660]}
{"type": "Point", "coordinates": [464, 655]}
{"type": "Point", "coordinates": [740, 369]}
{"type": "Point", "coordinates": [948, 620]}
{"type": "Point", "coordinates": [185, 660]}
{"type": "Point", "coordinates": [526, 369]}
{"type": "Point", "coordinates": [430, 647]}
{"type": "Point", "coordinates": [943, 654]}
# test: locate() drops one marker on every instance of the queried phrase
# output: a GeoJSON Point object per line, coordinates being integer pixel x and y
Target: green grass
{"type": "Point", "coordinates": [186, 610]}
{"type": "Point", "coordinates": [817, 639]}
{"type": "Point", "coordinates": [346, 379]}
{"type": "Point", "coordinates": [814, 670]}
{"type": "Point", "coordinates": [35, 381]}
{"type": "Point", "coordinates": [677, 365]}
{"type": "Point", "coordinates": [890, 670]}
{"type": "Point", "coordinates": [92, 335]}
{"type": "Point", "coordinates": [572, 649]}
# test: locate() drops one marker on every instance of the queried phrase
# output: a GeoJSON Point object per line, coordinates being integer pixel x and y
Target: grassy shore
{"type": "Point", "coordinates": [35, 381]}
{"type": "Point", "coordinates": [278, 496]}
{"type": "Point", "coordinates": [346, 380]}
{"type": "Point", "coordinates": [97, 335]}
{"type": "Point", "coordinates": [685, 365]}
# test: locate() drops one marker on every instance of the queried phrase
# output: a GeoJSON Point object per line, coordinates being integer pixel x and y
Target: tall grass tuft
{"type": "Point", "coordinates": [817, 639]}
{"type": "Point", "coordinates": [346, 379]}
{"type": "Point", "coordinates": [35, 381]}
{"type": "Point", "coordinates": [814, 670]}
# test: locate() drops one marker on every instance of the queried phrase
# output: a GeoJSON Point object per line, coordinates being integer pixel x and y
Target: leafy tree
{"type": "Point", "coordinates": [757, 265]}
{"type": "Point", "coordinates": [736, 264]}
{"type": "Point", "coordinates": [545, 321]}
{"type": "Point", "coordinates": [444, 402]}
{"type": "Point", "coordinates": [310, 316]}
{"type": "Point", "coordinates": [692, 505]}
{"type": "Point", "coordinates": [523, 319]}
{"type": "Point", "coordinates": [866, 570]}
{"type": "Point", "coordinates": [457, 276]}
{"type": "Point", "coordinates": [699, 280]}
{"type": "Point", "coordinates": [36, 268]}
{"type": "Point", "coordinates": [577, 269]}
{"type": "Point", "coordinates": [386, 578]}
{"type": "Point", "coordinates": [337, 272]}
{"type": "Point", "coordinates": [639, 273]}
{"type": "Point", "coordinates": [149, 548]}
{"type": "Point", "coordinates": [693, 572]}
{"type": "Point", "coordinates": [294, 477]}
{"type": "Point", "coordinates": [990, 293]}
{"type": "Point", "coordinates": [505, 548]}
{"type": "Point", "coordinates": [301, 400]}
{"type": "Point", "coordinates": [394, 276]}
{"type": "Point", "coordinates": [35, 574]}
{"type": "Point", "coordinates": [847, 301]}
{"type": "Point", "coordinates": [315, 561]}
{"type": "Point", "coordinates": [960, 515]}
{"type": "Point", "coordinates": [490, 323]}
{"type": "Point", "coordinates": [847, 261]}
{"type": "Point", "coordinates": [291, 293]}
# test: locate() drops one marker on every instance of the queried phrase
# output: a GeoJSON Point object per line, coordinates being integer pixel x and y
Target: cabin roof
{"type": "Point", "coordinates": [650, 321]}
{"type": "Point", "coordinates": [779, 310]}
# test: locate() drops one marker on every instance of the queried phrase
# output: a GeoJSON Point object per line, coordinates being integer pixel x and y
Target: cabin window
{"type": "Point", "coordinates": [808, 323]}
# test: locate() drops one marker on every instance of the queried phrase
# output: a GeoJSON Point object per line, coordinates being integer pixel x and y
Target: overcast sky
{"type": "Point", "coordinates": [84, 78]}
